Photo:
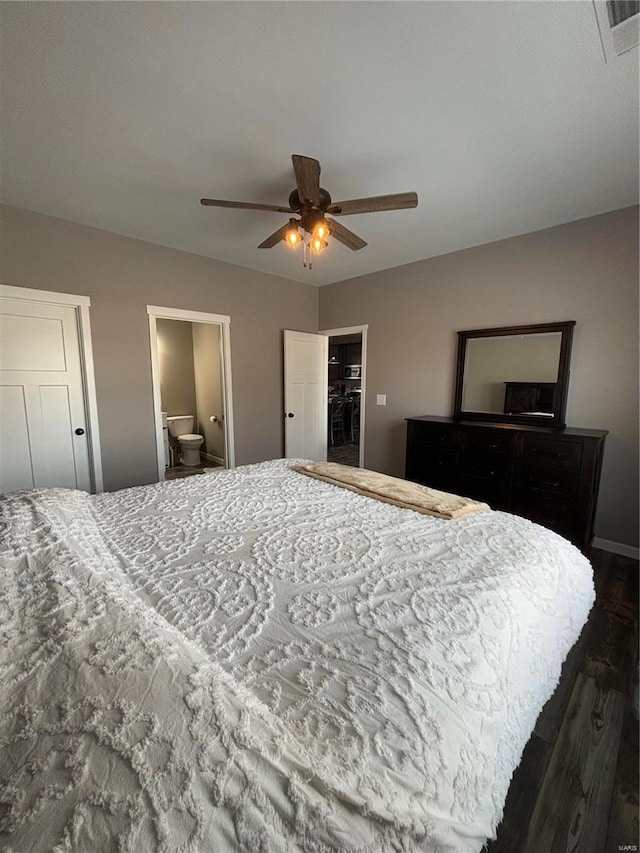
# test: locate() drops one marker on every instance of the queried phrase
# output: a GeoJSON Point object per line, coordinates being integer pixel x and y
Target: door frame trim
{"type": "Point", "coordinates": [82, 305]}
{"type": "Point", "coordinates": [156, 312]}
{"type": "Point", "coordinates": [351, 330]}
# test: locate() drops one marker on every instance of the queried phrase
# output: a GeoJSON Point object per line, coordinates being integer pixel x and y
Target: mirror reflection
{"type": "Point", "coordinates": [512, 374]}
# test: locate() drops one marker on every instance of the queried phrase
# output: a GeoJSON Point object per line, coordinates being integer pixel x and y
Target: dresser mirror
{"type": "Point", "coordinates": [514, 374]}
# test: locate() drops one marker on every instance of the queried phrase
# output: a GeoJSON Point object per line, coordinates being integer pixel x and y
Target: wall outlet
{"type": "Point", "coordinates": [381, 400]}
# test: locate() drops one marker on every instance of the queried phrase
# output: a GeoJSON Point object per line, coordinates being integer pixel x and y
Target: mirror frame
{"type": "Point", "coordinates": [560, 396]}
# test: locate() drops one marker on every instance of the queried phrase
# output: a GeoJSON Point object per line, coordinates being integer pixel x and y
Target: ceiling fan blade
{"type": "Point", "coordinates": [275, 238]}
{"type": "Point", "coordinates": [243, 205]}
{"type": "Point", "coordinates": [307, 172]}
{"type": "Point", "coordinates": [397, 201]}
{"type": "Point", "coordinates": [346, 237]}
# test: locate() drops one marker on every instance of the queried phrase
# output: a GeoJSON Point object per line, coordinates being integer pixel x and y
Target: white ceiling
{"type": "Point", "coordinates": [502, 116]}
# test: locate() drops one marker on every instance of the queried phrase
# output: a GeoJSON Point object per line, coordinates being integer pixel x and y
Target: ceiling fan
{"type": "Point", "coordinates": [312, 203]}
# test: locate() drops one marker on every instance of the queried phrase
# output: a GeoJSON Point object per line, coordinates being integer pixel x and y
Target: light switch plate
{"type": "Point", "coordinates": [381, 400]}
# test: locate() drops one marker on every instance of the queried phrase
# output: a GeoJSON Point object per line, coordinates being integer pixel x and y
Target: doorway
{"type": "Point", "coordinates": [190, 356]}
{"type": "Point", "coordinates": [346, 394]}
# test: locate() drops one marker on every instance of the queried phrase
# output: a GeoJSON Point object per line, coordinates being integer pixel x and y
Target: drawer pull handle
{"type": "Point", "coordinates": [493, 446]}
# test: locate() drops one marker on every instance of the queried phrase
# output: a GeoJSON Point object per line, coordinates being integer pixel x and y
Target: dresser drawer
{"type": "Point", "coordinates": [560, 483]}
{"type": "Point", "coordinates": [434, 435]}
{"type": "Point", "coordinates": [557, 515]}
{"type": "Point", "coordinates": [551, 453]}
{"type": "Point", "coordinates": [482, 490]}
{"type": "Point", "coordinates": [432, 466]}
{"type": "Point", "coordinates": [492, 471]}
{"type": "Point", "coordinates": [491, 443]}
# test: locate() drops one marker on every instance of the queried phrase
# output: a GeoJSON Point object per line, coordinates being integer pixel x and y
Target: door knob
{"type": "Point", "coordinates": [290, 415]}
{"type": "Point", "coordinates": [79, 431]}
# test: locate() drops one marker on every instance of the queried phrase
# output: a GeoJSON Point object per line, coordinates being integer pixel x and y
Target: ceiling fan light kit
{"type": "Point", "coordinates": [293, 235]}
{"type": "Point", "coordinates": [311, 202]}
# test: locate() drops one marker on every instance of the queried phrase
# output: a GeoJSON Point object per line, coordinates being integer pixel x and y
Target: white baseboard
{"type": "Point", "coordinates": [616, 548]}
{"type": "Point", "coordinates": [211, 458]}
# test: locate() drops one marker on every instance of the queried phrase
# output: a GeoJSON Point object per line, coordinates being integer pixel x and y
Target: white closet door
{"type": "Point", "coordinates": [305, 395]}
{"type": "Point", "coordinates": [42, 406]}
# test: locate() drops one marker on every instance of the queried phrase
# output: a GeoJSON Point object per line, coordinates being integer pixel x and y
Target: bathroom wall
{"type": "Point", "coordinates": [175, 358]}
{"type": "Point", "coordinates": [208, 385]}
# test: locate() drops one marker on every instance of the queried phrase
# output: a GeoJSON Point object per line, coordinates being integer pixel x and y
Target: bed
{"type": "Point", "coordinates": [254, 660]}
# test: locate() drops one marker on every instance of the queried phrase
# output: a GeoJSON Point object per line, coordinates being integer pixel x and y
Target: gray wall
{"type": "Point", "coordinates": [585, 271]}
{"type": "Point", "coordinates": [208, 380]}
{"type": "Point", "coordinates": [122, 276]}
{"type": "Point", "coordinates": [176, 367]}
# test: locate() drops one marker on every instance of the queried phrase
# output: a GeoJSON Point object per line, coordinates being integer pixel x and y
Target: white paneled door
{"type": "Point", "coordinates": [305, 395]}
{"type": "Point", "coordinates": [43, 426]}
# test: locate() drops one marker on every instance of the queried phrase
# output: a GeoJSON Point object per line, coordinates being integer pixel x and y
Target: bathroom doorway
{"type": "Point", "coordinates": [190, 357]}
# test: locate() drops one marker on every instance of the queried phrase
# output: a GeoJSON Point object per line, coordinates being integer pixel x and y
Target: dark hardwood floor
{"type": "Point", "coordinates": [576, 789]}
{"type": "Point", "coordinates": [347, 453]}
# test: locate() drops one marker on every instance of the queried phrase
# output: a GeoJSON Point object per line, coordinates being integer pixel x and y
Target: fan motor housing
{"type": "Point", "coordinates": [296, 204]}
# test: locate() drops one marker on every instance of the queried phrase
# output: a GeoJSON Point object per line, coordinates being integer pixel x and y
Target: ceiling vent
{"type": "Point", "coordinates": [619, 25]}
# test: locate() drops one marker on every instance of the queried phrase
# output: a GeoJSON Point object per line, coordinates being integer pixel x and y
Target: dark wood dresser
{"type": "Point", "coordinates": [550, 476]}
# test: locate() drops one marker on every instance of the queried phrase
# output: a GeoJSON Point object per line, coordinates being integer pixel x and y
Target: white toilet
{"type": "Point", "coordinates": [180, 427]}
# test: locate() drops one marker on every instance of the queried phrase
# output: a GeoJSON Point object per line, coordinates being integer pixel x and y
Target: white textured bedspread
{"type": "Point", "coordinates": [257, 661]}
